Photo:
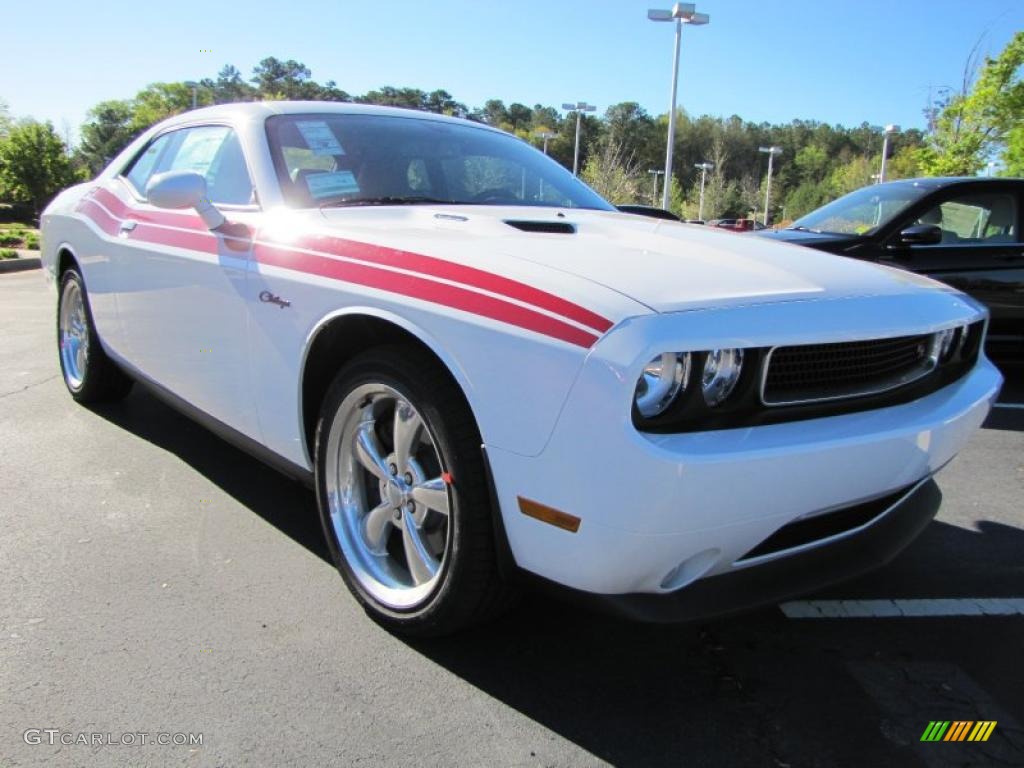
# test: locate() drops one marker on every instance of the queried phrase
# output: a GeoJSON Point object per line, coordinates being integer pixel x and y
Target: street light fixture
{"type": "Point", "coordinates": [889, 131]}
{"type": "Point", "coordinates": [681, 13]}
{"type": "Point", "coordinates": [545, 135]}
{"type": "Point", "coordinates": [704, 168]}
{"type": "Point", "coordinates": [580, 107]}
{"type": "Point", "coordinates": [771, 152]}
{"type": "Point", "coordinates": [654, 176]}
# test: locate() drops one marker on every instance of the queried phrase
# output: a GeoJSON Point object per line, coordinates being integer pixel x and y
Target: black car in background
{"type": "Point", "coordinates": [963, 231]}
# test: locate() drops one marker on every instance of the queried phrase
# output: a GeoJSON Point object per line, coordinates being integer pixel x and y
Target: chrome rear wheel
{"type": "Point", "coordinates": [73, 335]}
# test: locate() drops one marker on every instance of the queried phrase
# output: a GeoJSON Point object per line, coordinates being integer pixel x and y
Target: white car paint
{"type": "Point", "coordinates": [554, 414]}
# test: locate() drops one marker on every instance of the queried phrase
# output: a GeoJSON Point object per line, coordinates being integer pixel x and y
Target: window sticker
{"type": "Point", "coordinates": [319, 137]}
{"type": "Point", "coordinates": [332, 183]}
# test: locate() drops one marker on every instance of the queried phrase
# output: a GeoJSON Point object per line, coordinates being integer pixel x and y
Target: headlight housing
{"type": "Point", "coordinates": [722, 369]}
{"type": "Point", "coordinates": [663, 378]}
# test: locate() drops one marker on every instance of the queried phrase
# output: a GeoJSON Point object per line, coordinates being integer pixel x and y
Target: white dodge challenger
{"type": "Point", "coordinates": [490, 375]}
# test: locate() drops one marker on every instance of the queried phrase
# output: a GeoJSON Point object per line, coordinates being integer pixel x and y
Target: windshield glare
{"type": "Point", "coordinates": [359, 159]}
{"type": "Point", "coordinates": [863, 211]}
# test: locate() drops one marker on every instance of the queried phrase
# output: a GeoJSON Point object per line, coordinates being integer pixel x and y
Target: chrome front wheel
{"type": "Point", "coordinates": [389, 500]}
{"type": "Point", "coordinates": [402, 492]}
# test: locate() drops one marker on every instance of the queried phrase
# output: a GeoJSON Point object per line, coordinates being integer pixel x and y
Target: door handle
{"type": "Point", "coordinates": [126, 226]}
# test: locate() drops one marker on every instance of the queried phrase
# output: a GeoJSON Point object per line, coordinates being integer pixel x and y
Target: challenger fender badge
{"type": "Point", "coordinates": [269, 298]}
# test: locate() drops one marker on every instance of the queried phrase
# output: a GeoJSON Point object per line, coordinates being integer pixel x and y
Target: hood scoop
{"type": "Point", "coordinates": [548, 227]}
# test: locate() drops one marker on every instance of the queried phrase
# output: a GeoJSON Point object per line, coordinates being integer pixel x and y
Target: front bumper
{"type": "Point", "coordinates": [663, 514]}
{"type": "Point", "coordinates": [798, 573]}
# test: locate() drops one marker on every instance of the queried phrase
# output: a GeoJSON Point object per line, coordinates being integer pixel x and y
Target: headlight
{"type": "Point", "coordinates": [944, 340]}
{"type": "Point", "coordinates": [721, 372]}
{"type": "Point", "coordinates": [662, 380]}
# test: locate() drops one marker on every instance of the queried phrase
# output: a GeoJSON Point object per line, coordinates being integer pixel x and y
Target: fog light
{"type": "Point", "coordinates": [721, 372]}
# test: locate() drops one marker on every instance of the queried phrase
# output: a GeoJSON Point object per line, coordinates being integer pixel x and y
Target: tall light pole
{"type": "Point", "coordinates": [545, 135]}
{"type": "Point", "coordinates": [771, 152]}
{"type": "Point", "coordinates": [580, 107]}
{"type": "Point", "coordinates": [704, 168]}
{"type": "Point", "coordinates": [681, 13]}
{"type": "Point", "coordinates": [195, 91]}
{"type": "Point", "coordinates": [889, 131]}
{"type": "Point", "coordinates": [654, 177]}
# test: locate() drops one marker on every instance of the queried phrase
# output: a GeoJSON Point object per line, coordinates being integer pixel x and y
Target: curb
{"type": "Point", "coordinates": [20, 264]}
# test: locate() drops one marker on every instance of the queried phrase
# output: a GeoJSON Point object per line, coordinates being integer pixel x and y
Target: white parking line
{"type": "Point", "coordinates": [1009, 405]}
{"type": "Point", "coordinates": [894, 609]}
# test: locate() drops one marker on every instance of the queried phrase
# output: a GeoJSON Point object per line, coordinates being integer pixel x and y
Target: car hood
{"type": "Point", "coordinates": [665, 266]}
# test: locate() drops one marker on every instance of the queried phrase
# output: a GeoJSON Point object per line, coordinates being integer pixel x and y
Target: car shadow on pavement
{"type": "Point", "coordinates": [761, 689]}
{"type": "Point", "coordinates": [756, 689]}
{"type": "Point", "coordinates": [282, 502]}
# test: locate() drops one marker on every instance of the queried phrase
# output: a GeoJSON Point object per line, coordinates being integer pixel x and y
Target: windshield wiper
{"type": "Point", "coordinates": [806, 229]}
{"type": "Point", "coordinates": [387, 200]}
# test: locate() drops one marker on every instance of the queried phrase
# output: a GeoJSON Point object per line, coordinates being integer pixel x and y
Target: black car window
{"type": "Point", "coordinates": [975, 219]}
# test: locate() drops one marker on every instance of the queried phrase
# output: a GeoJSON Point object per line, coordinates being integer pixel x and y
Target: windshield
{"type": "Point", "coordinates": [863, 211]}
{"type": "Point", "coordinates": [357, 159]}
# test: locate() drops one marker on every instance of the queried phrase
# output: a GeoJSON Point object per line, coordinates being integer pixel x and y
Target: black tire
{"type": "Point", "coordinates": [101, 380]}
{"type": "Point", "coordinates": [471, 589]}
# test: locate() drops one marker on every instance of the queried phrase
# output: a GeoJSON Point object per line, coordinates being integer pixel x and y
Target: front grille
{"type": "Point", "coordinates": [818, 372]}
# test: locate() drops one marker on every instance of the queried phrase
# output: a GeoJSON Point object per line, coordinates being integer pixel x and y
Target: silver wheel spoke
{"type": "Point", "coordinates": [377, 526]}
{"type": "Point", "coordinates": [432, 494]}
{"type": "Point", "coordinates": [367, 452]}
{"type": "Point", "coordinates": [422, 565]}
{"type": "Point", "coordinates": [406, 433]}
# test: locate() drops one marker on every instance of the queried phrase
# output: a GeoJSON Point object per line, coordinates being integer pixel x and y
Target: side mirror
{"type": "Point", "coordinates": [184, 189]}
{"type": "Point", "coordinates": [920, 234]}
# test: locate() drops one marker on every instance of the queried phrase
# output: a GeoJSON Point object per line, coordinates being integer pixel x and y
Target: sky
{"type": "Point", "coordinates": [835, 61]}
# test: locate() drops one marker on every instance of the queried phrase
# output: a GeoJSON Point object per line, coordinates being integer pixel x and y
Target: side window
{"type": "Point", "coordinates": [145, 164]}
{"type": "Point", "coordinates": [212, 151]}
{"type": "Point", "coordinates": [976, 219]}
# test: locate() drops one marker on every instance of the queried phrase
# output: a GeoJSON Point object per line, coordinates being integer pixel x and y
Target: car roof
{"type": "Point", "coordinates": [260, 110]}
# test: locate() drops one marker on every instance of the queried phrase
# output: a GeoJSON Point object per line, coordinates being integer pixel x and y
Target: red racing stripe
{"type": "Point", "coordinates": [94, 212]}
{"type": "Point", "coordinates": [457, 273]}
{"type": "Point", "coordinates": [284, 255]}
{"type": "Point", "coordinates": [392, 257]}
{"type": "Point", "coordinates": [426, 290]}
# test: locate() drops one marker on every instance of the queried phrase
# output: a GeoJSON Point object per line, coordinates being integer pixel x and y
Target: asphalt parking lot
{"type": "Point", "coordinates": [155, 580]}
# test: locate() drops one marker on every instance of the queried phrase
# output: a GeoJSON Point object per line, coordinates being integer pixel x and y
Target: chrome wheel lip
{"type": "Point", "coordinates": [73, 335]}
{"type": "Point", "coordinates": [353, 492]}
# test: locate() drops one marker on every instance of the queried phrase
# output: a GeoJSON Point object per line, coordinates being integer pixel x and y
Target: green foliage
{"type": "Point", "coordinates": [613, 175]}
{"type": "Point", "coordinates": [34, 165]}
{"type": "Point", "coordinates": [108, 130]}
{"type": "Point", "coordinates": [11, 239]}
{"type": "Point", "coordinates": [32, 241]}
{"type": "Point", "coordinates": [975, 123]}
{"type": "Point", "coordinates": [8, 253]}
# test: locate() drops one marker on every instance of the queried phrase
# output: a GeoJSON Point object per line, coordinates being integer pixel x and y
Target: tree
{"type": "Point", "coordinates": [613, 175]}
{"type": "Point", "coordinates": [229, 86]}
{"type": "Point", "coordinates": [278, 79]}
{"type": "Point", "coordinates": [975, 122]}
{"type": "Point", "coordinates": [34, 165]}
{"type": "Point", "coordinates": [107, 131]}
